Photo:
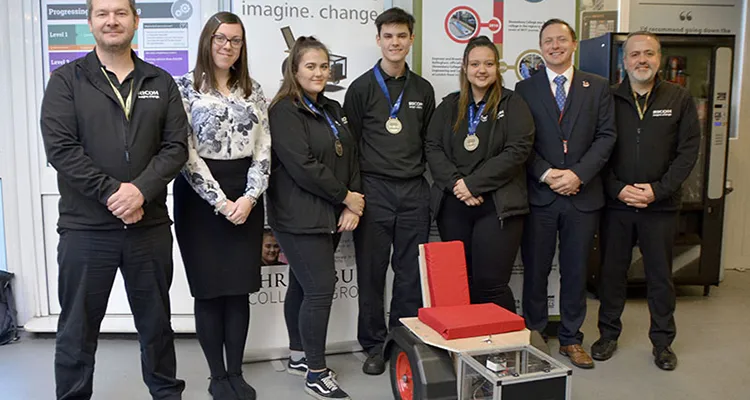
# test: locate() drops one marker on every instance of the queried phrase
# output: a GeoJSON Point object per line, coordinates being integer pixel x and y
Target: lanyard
{"type": "Point", "coordinates": [125, 104]}
{"type": "Point", "coordinates": [310, 105]}
{"type": "Point", "coordinates": [641, 111]}
{"type": "Point", "coordinates": [474, 120]}
{"type": "Point", "coordinates": [397, 106]}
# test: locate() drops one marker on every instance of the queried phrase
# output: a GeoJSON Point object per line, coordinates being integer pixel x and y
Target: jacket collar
{"type": "Point", "coordinates": [143, 69]}
{"type": "Point", "coordinates": [625, 91]}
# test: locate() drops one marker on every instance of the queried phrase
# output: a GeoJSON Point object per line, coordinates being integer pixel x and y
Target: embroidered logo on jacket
{"type": "Point", "coordinates": [148, 94]}
{"type": "Point", "coordinates": [500, 114]}
{"type": "Point", "coordinates": [344, 120]}
{"type": "Point", "coordinates": [662, 113]}
{"type": "Point", "coordinates": [416, 105]}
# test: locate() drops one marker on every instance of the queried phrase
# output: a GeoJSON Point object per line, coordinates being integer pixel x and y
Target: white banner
{"type": "Point", "coordinates": [513, 25]}
{"type": "Point", "coordinates": [347, 27]}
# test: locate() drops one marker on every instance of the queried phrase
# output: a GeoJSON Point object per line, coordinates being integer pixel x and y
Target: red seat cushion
{"type": "Point", "coordinates": [457, 322]}
{"type": "Point", "coordinates": [446, 273]}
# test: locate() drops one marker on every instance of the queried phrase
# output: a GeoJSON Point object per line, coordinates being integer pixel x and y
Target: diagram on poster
{"type": "Point", "coordinates": [167, 35]}
{"type": "Point", "coordinates": [513, 25]}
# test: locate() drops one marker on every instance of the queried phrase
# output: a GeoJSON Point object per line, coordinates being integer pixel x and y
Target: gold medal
{"type": "Point", "coordinates": [471, 142]}
{"type": "Point", "coordinates": [339, 148]}
{"type": "Point", "coordinates": [393, 125]}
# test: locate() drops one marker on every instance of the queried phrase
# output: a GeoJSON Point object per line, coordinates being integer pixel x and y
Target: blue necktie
{"type": "Point", "coordinates": [560, 91]}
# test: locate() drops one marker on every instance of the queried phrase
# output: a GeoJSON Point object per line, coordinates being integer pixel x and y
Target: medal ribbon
{"type": "Point", "coordinates": [474, 120]}
{"type": "Point", "coordinates": [396, 106]}
{"type": "Point", "coordinates": [312, 107]}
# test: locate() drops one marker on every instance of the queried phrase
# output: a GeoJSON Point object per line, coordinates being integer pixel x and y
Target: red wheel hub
{"type": "Point", "coordinates": [404, 382]}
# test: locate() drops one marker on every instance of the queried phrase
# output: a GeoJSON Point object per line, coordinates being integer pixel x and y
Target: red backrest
{"type": "Point", "coordinates": [446, 274]}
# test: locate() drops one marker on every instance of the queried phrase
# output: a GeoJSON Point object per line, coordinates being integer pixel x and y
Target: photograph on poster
{"type": "Point", "coordinates": [529, 63]}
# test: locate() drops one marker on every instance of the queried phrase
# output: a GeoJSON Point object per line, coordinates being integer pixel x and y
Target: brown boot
{"type": "Point", "coordinates": [578, 356]}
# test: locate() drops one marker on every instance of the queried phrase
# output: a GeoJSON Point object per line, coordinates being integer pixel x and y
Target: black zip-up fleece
{"type": "Point", "coordinates": [661, 149]}
{"type": "Point", "coordinates": [94, 147]}
{"type": "Point", "coordinates": [309, 181]}
{"type": "Point", "coordinates": [503, 171]}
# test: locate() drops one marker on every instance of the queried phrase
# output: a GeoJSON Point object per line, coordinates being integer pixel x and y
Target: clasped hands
{"type": "Point", "coordinates": [563, 182]}
{"type": "Point", "coordinates": [126, 203]}
{"type": "Point", "coordinates": [639, 195]}
{"type": "Point", "coordinates": [355, 206]}
{"type": "Point", "coordinates": [464, 194]}
{"type": "Point", "coordinates": [237, 211]}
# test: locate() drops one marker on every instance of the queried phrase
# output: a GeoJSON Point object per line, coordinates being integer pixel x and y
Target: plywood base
{"type": "Point", "coordinates": [492, 342]}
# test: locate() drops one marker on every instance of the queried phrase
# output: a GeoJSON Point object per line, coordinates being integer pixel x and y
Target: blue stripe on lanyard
{"type": "Point", "coordinates": [397, 106]}
{"type": "Point", "coordinates": [325, 114]}
{"type": "Point", "coordinates": [474, 120]}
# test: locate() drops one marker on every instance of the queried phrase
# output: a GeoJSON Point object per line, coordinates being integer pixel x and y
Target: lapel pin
{"type": "Point", "coordinates": [586, 84]}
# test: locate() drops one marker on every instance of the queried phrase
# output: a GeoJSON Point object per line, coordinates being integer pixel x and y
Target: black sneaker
{"type": "Point", "coordinates": [299, 367]}
{"type": "Point", "coordinates": [325, 387]}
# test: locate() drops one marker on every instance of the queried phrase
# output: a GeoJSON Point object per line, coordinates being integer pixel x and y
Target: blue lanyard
{"type": "Point", "coordinates": [474, 120]}
{"type": "Point", "coordinates": [397, 106]}
{"type": "Point", "coordinates": [325, 114]}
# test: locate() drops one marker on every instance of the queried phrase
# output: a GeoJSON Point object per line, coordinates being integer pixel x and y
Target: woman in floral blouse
{"type": "Point", "coordinates": [218, 207]}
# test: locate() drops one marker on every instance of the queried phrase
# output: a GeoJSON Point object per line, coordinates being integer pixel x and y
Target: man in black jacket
{"type": "Point", "coordinates": [657, 147]}
{"type": "Point", "coordinates": [115, 130]}
{"type": "Point", "coordinates": [389, 108]}
{"type": "Point", "coordinates": [575, 133]}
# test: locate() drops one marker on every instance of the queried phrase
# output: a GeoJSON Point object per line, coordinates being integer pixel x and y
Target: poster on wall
{"type": "Point", "coordinates": [167, 34]}
{"type": "Point", "coordinates": [513, 25]}
{"type": "Point", "coordinates": [277, 25]}
{"type": "Point", "coordinates": [346, 27]}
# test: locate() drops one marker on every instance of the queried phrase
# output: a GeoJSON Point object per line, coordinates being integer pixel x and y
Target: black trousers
{"type": "Point", "coordinates": [490, 247]}
{"type": "Point", "coordinates": [397, 213]}
{"type": "Point", "coordinates": [309, 297]}
{"type": "Point", "coordinates": [88, 262]}
{"type": "Point", "coordinates": [654, 232]}
{"type": "Point", "coordinates": [577, 229]}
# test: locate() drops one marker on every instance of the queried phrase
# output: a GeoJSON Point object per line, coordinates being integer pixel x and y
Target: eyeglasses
{"type": "Point", "coordinates": [221, 40]}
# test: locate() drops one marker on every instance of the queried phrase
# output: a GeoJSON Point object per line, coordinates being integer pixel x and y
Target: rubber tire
{"type": "Point", "coordinates": [395, 350]}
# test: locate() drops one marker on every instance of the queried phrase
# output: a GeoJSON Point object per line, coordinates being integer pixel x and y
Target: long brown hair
{"type": "Point", "coordinates": [290, 87]}
{"type": "Point", "coordinates": [465, 98]}
{"type": "Point", "coordinates": [204, 65]}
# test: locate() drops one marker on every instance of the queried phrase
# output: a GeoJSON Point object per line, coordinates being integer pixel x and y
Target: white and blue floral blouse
{"type": "Point", "coordinates": [225, 128]}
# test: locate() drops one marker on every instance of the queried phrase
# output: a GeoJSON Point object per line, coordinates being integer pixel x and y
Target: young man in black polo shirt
{"type": "Point", "coordinates": [389, 108]}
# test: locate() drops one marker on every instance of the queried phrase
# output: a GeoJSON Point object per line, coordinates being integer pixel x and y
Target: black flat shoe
{"type": "Point", "coordinates": [665, 358]}
{"type": "Point", "coordinates": [603, 349]}
{"type": "Point", "coordinates": [243, 390]}
{"type": "Point", "coordinates": [221, 389]}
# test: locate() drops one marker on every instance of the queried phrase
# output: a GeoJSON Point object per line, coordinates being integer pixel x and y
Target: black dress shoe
{"type": "Point", "coordinates": [243, 390]}
{"type": "Point", "coordinates": [665, 358]}
{"type": "Point", "coordinates": [603, 349]}
{"type": "Point", "coordinates": [374, 365]}
{"type": "Point", "coordinates": [221, 389]}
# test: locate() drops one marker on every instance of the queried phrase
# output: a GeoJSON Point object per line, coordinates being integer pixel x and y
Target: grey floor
{"type": "Point", "coordinates": [711, 344]}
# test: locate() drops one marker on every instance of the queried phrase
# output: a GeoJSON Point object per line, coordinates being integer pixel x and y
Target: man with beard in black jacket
{"type": "Point", "coordinates": [657, 147]}
{"type": "Point", "coordinates": [115, 129]}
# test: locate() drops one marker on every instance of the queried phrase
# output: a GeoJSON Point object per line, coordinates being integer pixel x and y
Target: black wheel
{"type": "Point", "coordinates": [405, 377]}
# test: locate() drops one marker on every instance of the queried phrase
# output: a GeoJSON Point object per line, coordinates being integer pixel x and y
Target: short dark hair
{"type": "Point", "coordinates": [641, 33]}
{"type": "Point", "coordinates": [557, 21]}
{"type": "Point", "coordinates": [397, 16]}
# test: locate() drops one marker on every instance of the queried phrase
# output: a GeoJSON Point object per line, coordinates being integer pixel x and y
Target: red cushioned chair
{"type": "Point", "coordinates": [445, 295]}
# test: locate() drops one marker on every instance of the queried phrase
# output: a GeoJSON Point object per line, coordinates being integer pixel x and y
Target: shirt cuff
{"type": "Point", "coordinates": [544, 175]}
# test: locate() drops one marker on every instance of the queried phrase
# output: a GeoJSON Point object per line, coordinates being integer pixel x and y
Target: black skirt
{"type": "Point", "coordinates": [220, 258]}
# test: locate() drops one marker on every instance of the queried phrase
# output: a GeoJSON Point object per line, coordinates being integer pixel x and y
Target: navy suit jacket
{"type": "Point", "coordinates": [587, 123]}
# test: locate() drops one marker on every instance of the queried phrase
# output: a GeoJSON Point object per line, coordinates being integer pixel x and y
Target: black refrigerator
{"type": "Point", "coordinates": [703, 65]}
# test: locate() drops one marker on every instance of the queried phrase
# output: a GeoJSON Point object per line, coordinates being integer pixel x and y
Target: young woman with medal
{"type": "Point", "coordinates": [313, 196]}
{"type": "Point", "coordinates": [477, 144]}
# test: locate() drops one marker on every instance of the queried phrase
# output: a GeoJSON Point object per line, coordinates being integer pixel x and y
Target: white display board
{"type": "Point", "coordinates": [513, 25]}
{"type": "Point", "coordinates": [346, 27]}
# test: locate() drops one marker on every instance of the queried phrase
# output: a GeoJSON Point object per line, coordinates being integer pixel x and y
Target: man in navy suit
{"type": "Point", "coordinates": [575, 134]}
